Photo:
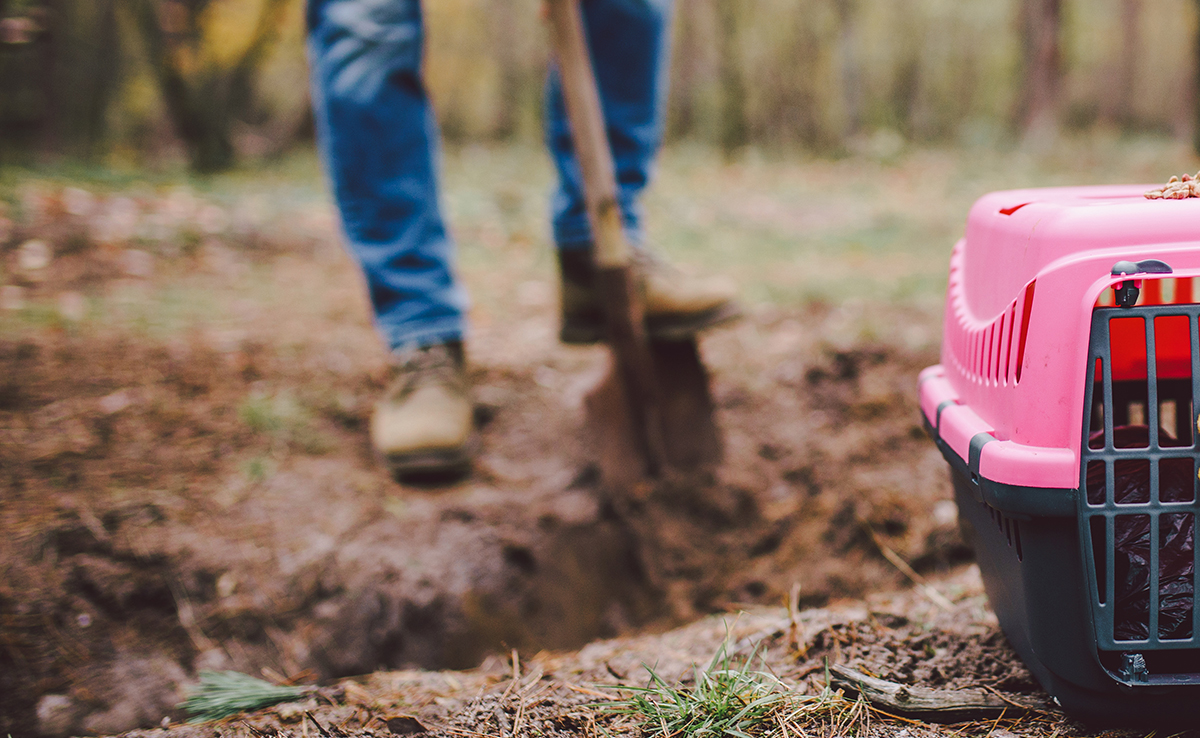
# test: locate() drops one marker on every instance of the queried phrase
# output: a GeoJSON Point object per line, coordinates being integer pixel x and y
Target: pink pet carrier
{"type": "Point", "coordinates": [1065, 406]}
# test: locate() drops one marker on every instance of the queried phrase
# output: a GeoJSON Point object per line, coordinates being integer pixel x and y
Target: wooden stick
{"type": "Point", "coordinates": [931, 705]}
{"type": "Point", "coordinates": [614, 278]}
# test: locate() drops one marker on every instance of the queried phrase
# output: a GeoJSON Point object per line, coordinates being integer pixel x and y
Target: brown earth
{"type": "Point", "coordinates": [903, 637]}
{"type": "Point", "coordinates": [203, 495]}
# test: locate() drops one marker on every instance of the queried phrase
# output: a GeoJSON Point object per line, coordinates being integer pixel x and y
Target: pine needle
{"type": "Point", "coordinates": [225, 693]}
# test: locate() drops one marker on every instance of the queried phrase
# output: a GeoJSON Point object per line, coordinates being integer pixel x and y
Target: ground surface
{"type": "Point", "coordinates": [904, 637]}
{"type": "Point", "coordinates": [186, 373]}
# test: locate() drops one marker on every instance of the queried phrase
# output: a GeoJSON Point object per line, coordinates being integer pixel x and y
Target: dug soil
{"type": "Point", "coordinates": [201, 494]}
{"type": "Point", "coordinates": [905, 637]}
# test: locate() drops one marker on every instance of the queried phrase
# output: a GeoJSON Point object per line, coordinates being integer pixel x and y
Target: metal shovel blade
{"type": "Point", "coordinates": [691, 439]}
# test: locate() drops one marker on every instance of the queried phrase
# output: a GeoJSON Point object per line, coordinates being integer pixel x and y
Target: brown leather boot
{"type": "Point", "coordinates": [423, 424]}
{"type": "Point", "coordinates": [677, 305]}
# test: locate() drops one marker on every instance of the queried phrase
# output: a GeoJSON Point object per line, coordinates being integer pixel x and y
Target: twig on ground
{"type": "Point", "coordinates": [253, 729]}
{"type": "Point", "coordinates": [797, 640]}
{"type": "Point", "coordinates": [518, 718]}
{"type": "Point", "coordinates": [997, 721]}
{"type": "Point", "coordinates": [516, 675]}
{"type": "Point", "coordinates": [320, 728]}
{"type": "Point", "coordinates": [926, 588]}
{"type": "Point", "coordinates": [591, 692]}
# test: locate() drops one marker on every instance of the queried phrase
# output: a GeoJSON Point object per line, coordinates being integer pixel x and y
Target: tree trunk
{"type": "Point", "coordinates": [505, 40]}
{"type": "Point", "coordinates": [203, 108]}
{"type": "Point", "coordinates": [1196, 90]}
{"type": "Point", "coordinates": [1124, 113]}
{"type": "Point", "coordinates": [49, 61]}
{"type": "Point", "coordinates": [104, 76]}
{"type": "Point", "coordinates": [686, 73]}
{"type": "Point", "coordinates": [847, 52]}
{"type": "Point", "coordinates": [734, 129]}
{"type": "Point", "coordinates": [1041, 55]}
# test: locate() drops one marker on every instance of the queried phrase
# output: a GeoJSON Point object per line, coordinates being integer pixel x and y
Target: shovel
{"type": "Point", "coordinates": [652, 412]}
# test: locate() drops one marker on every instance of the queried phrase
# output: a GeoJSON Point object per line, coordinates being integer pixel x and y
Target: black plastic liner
{"type": "Point", "coordinates": [1131, 485]}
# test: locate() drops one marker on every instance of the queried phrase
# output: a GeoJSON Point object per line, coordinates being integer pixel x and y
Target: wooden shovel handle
{"type": "Point", "coordinates": [588, 134]}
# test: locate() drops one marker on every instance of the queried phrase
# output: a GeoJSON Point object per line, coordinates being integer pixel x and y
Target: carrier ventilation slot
{"type": "Point", "coordinates": [1138, 510]}
{"type": "Point", "coordinates": [1010, 528]}
{"type": "Point", "coordinates": [993, 353]}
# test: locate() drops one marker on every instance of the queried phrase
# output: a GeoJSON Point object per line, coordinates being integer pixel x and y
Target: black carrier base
{"type": "Point", "coordinates": [1035, 580]}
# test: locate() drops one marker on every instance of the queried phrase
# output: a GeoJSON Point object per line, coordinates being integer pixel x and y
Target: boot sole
{"type": "Point", "coordinates": [666, 328]}
{"type": "Point", "coordinates": [435, 466]}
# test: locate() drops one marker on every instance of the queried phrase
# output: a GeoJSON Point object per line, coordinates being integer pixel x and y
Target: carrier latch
{"type": "Point", "coordinates": [1133, 668]}
{"type": "Point", "coordinates": [1127, 292]}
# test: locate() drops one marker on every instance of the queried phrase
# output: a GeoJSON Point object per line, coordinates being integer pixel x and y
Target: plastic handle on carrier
{"type": "Point", "coordinates": [1149, 266]}
{"type": "Point", "coordinates": [1126, 293]}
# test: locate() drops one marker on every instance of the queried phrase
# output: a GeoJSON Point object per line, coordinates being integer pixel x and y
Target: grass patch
{"type": "Point", "coordinates": [285, 421]}
{"type": "Point", "coordinates": [258, 469]}
{"type": "Point", "coordinates": [729, 698]}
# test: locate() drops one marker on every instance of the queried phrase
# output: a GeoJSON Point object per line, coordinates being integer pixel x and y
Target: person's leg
{"type": "Point", "coordinates": [378, 139]}
{"type": "Point", "coordinates": [629, 45]}
{"type": "Point", "coordinates": [629, 42]}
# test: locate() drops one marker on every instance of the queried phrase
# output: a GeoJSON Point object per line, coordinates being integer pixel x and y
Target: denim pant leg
{"type": "Point", "coordinates": [378, 138]}
{"type": "Point", "coordinates": [630, 47]}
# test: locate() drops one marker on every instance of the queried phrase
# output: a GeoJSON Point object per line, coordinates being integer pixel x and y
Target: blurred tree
{"type": "Point", "coordinates": [81, 77]}
{"type": "Point", "coordinates": [734, 133]}
{"type": "Point", "coordinates": [848, 55]}
{"type": "Point", "coordinates": [686, 69]}
{"type": "Point", "coordinates": [59, 71]}
{"type": "Point", "coordinates": [1124, 112]}
{"type": "Point", "coordinates": [1196, 89]}
{"type": "Point", "coordinates": [205, 86]}
{"type": "Point", "coordinates": [505, 37]}
{"type": "Point", "coordinates": [1039, 109]}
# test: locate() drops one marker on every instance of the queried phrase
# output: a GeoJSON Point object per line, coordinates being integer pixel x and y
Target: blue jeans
{"type": "Point", "coordinates": [379, 142]}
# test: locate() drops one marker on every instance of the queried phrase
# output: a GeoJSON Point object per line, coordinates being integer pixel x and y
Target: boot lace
{"type": "Point", "coordinates": [416, 368]}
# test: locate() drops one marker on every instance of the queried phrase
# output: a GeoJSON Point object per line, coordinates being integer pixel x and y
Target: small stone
{"type": "Point", "coordinates": [56, 715]}
{"type": "Point", "coordinates": [34, 255]}
{"type": "Point", "coordinates": [115, 403]}
{"type": "Point", "coordinates": [212, 220]}
{"type": "Point", "coordinates": [12, 297]}
{"type": "Point", "coordinates": [137, 263]}
{"type": "Point", "coordinates": [78, 202]}
{"type": "Point", "coordinates": [405, 725]}
{"type": "Point", "coordinates": [227, 584]}
{"type": "Point", "coordinates": [72, 306]}
{"type": "Point", "coordinates": [290, 712]}
{"type": "Point", "coordinates": [120, 223]}
{"type": "Point", "coordinates": [945, 513]}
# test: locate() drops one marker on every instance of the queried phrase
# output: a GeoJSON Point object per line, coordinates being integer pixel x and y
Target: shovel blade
{"type": "Point", "coordinates": [691, 439]}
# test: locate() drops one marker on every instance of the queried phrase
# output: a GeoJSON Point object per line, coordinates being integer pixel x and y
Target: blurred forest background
{"type": "Point", "coordinates": [216, 82]}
